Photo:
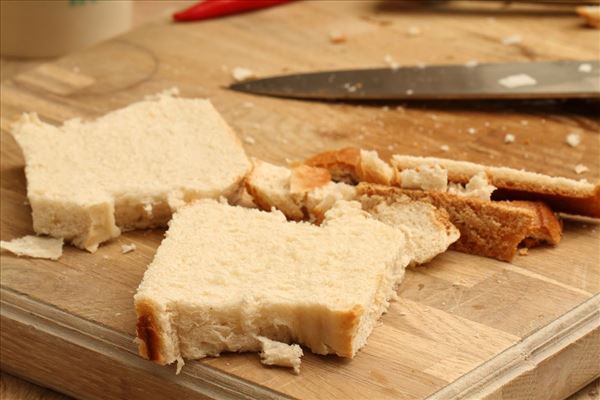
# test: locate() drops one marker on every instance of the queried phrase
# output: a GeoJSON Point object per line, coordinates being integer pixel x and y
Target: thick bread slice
{"type": "Point", "coordinates": [561, 194]}
{"type": "Point", "coordinates": [487, 228]}
{"type": "Point", "coordinates": [225, 276]}
{"type": "Point", "coordinates": [428, 230]}
{"type": "Point", "coordinates": [87, 181]}
{"type": "Point", "coordinates": [353, 165]}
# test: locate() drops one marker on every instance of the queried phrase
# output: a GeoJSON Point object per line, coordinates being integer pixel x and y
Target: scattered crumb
{"type": "Point", "coordinates": [445, 148]}
{"type": "Point", "coordinates": [413, 31]}
{"type": "Point", "coordinates": [391, 62]}
{"type": "Point", "coordinates": [471, 63]}
{"type": "Point", "coordinates": [487, 123]}
{"type": "Point", "coordinates": [580, 169]}
{"type": "Point", "coordinates": [242, 74]}
{"type": "Point", "coordinates": [471, 131]}
{"type": "Point", "coordinates": [512, 40]}
{"type": "Point", "coordinates": [524, 122]}
{"type": "Point", "coordinates": [573, 139]}
{"type": "Point", "coordinates": [249, 140]}
{"type": "Point", "coordinates": [337, 37]}
{"type": "Point", "coordinates": [524, 251]}
{"type": "Point", "coordinates": [350, 88]}
{"type": "Point", "coordinates": [247, 104]}
{"type": "Point", "coordinates": [585, 68]}
{"type": "Point", "coordinates": [390, 147]}
{"type": "Point", "coordinates": [106, 257]}
{"type": "Point", "coordinates": [509, 138]}
{"type": "Point", "coordinates": [126, 248]}
{"type": "Point", "coordinates": [25, 202]}
{"type": "Point", "coordinates": [421, 65]}
{"type": "Point", "coordinates": [515, 81]}
{"type": "Point", "coordinates": [173, 91]}
{"type": "Point", "coordinates": [385, 108]}
{"type": "Point", "coordinates": [409, 92]}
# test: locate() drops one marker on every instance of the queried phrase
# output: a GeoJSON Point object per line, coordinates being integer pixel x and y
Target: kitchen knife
{"type": "Point", "coordinates": [529, 80]}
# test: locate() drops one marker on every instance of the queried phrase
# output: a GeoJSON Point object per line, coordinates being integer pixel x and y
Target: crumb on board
{"type": "Point", "coordinates": [389, 60]}
{"type": "Point", "coordinates": [471, 131]}
{"type": "Point", "coordinates": [471, 63]}
{"type": "Point", "coordinates": [337, 37]}
{"type": "Point", "coordinates": [524, 251]}
{"type": "Point", "coordinates": [241, 74]}
{"type": "Point", "coordinates": [249, 140]}
{"type": "Point", "coordinates": [126, 248]}
{"type": "Point", "coordinates": [573, 139]}
{"type": "Point", "coordinates": [580, 169]}
{"type": "Point", "coordinates": [421, 65]}
{"type": "Point", "coordinates": [518, 80]}
{"type": "Point", "coordinates": [591, 14]}
{"type": "Point", "coordinates": [509, 138]}
{"type": "Point", "coordinates": [524, 122]}
{"type": "Point", "coordinates": [247, 104]}
{"type": "Point", "coordinates": [445, 148]}
{"type": "Point", "coordinates": [413, 31]}
{"type": "Point", "coordinates": [409, 92]}
{"type": "Point", "coordinates": [512, 40]}
{"type": "Point", "coordinates": [34, 247]}
{"type": "Point", "coordinates": [586, 68]}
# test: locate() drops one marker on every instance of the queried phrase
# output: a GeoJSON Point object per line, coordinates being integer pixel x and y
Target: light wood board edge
{"type": "Point", "coordinates": [42, 343]}
{"type": "Point", "coordinates": [565, 334]}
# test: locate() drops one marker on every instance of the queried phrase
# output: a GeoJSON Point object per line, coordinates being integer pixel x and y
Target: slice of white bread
{"type": "Point", "coordinates": [428, 230]}
{"type": "Point", "coordinates": [225, 276]}
{"type": "Point", "coordinates": [488, 228]}
{"type": "Point", "coordinates": [561, 194]}
{"type": "Point", "coordinates": [35, 247]}
{"type": "Point", "coordinates": [353, 165]}
{"type": "Point", "coordinates": [87, 181]}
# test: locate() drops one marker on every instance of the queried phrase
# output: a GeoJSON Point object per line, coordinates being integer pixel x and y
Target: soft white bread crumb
{"type": "Point", "coordinates": [428, 177]}
{"type": "Point", "coordinates": [585, 68]}
{"type": "Point", "coordinates": [580, 169]}
{"type": "Point", "coordinates": [225, 275]}
{"type": "Point", "coordinates": [519, 80]}
{"type": "Point", "coordinates": [87, 181]}
{"type": "Point", "coordinates": [512, 40]}
{"type": "Point", "coordinates": [34, 246]}
{"type": "Point", "coordinates": [573, 139]}
{"type": "Point", "coordinates": [126, 248]}
{"type": "Point", "coordinates": [509, 138]}
{"type": "Point", "coordinates": [242, 74]}
{"type": "Point", "coordinates": [281, 354]}
{"type": "Point", "coordinates": [478, 186]}
{"type": "Point", "coordinates": [337, 37]}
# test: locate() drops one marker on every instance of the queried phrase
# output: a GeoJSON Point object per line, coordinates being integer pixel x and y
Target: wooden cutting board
{"type": "Point", "coordinates": [463, 326]}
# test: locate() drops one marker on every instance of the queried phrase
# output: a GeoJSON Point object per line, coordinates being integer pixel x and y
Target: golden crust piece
{"type": "Point", "coordinates": [150, 345]}
{"type": "Point", "coordinates": [342, 164]}
{"type": "Point", "coordinates": [305, 178]}
{"type": "Point", "coordinates": [591, 14]}
{"type": "Point", "coordinates": [491, 229]}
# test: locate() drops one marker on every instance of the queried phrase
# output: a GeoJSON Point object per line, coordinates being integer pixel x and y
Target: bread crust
{"type": "Point", "coordinates": [343, 164]}
{"type": "Point", "coordinates": [150, 344]}
{"type": "Point", "coordinates": [491, 229]}
{"type": "Point", "coordinates": [305, 178]}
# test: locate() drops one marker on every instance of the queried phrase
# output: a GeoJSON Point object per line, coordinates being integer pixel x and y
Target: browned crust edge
{"type": "Point", "coordinates": [150, 345]}
{"type": "Point", "coordinates": [305, 178]}
{"type": "Point", "coordinates": [343, 164]}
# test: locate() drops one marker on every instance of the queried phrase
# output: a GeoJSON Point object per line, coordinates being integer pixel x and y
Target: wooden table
{"type": "Point", "coordinates": [519, 329]}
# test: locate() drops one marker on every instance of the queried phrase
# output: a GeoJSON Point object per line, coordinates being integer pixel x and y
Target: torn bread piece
{"type": "Point", "coordinates": [280, 354]}
{"type": "Point", "coordinates": [130, 169]}
{"type": "Point", "coordinates": [488, 228]}
{"type": "Point", "coordinates": [428, 230]}
{"type": "Point", "coordinates": [35, 247]}
{"type": "Point", "coordinates": [561, 194]}
{"type": "Point", "coordinates": [225, 275]}
{"type": "Point", "coordinates": [353, 165]}
{"type": "Point", "coordinates": [591, 15]}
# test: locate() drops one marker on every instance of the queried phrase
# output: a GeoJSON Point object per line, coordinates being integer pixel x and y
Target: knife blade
{"type": "Point", "coordinates": [531, 80]}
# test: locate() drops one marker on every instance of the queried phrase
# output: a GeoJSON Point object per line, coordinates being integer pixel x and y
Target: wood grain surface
{"type": "Point", "coordinates": [463, 326]}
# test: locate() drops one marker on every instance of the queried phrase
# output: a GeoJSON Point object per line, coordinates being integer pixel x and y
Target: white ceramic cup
{"type": "Point", "coordinates": [48, 28]}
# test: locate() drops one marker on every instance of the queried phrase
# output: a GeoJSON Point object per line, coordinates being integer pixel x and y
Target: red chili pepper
{"type": "Point", "coordinates": [218, 8]}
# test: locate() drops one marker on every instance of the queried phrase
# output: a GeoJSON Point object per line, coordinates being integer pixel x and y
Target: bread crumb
{"type": "Point", "coordinates": [580, 169]}
{"type": "Point", "coordinates": [127, 248]}
{"type": "Point", "coordinates": [515, 81]}
{"type": "Point", "coordinates": [471, 63]}
{"type": "Point", "coordinates": [471, 131]}
{"type": "Point", "coordinates": [350, 88]}
{"type": "Point", "coordinates": [241, 74]}
{"type": "Point", "coordinates": [391, 62]}
{"type": "Point", "coordinates": [573, 139]}
{"type": "Point", "coordinates": [421, 65]}
{"type": "Point", "coordinates": [106, 257]}
{"type": "Point", "coordinates": [34, 247]}
{"type": "Point", "coordinates": [249, 140]}
{"type": "Point", "coordinates": [512, 40]}
{"type": "Point", "coordinates": [509, 138]}
{"type": "Point", "coordinates": [585, 68]}
{"type": "Point", "coordinates": [413, 31]}
{"type": "Point", "coordinates": [524, 251]}
{"type": "Point", "coordinates": [445, 148]}
{"type": "Point", "coordinates": [409, 92]}
{"type": "Point", "coordinates": [247, 104]}
{"type": "Point", "coordinates": [524, 122]}
{"type": "Point", "coordinates": [337, 37]}
{"type": "Point", "coordinates": [173, 91]}
{"type": "Point", "coordinates": [385, 108]}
